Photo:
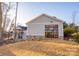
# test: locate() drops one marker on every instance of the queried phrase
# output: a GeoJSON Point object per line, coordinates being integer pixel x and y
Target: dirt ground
{"type": "Point", "coordinates": [41, 48]}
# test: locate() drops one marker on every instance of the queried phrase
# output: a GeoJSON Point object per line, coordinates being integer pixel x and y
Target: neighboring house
{"type": "Point", "coordinates": [20, 32]}
{"type": "Point", "coordinates": [45, 26]}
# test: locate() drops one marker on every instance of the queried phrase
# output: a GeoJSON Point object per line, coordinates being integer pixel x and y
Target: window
{"type": "Point", "coordinates": [51, 31]}
{"type": "Point", "coordinates": [51, 21]}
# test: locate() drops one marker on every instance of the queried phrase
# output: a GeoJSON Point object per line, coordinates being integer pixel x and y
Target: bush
{"type": "Point", "coordinates": [68, 31]}
{"type": "Point", "coordinates": [76, 37]}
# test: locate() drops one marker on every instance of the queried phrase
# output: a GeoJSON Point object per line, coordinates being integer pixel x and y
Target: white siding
{"type": "Point", "coordinates": [35, 29]}
{"type": "Point", "coordinates": [61, 31]}
{"type": "Point", "coordinates": [43, 20]}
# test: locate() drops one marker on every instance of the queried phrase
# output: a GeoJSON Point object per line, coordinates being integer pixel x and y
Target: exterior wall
{"type": "Point", "coordinates": [35, 30]}
{"type": "Point", "coordinates": [37, 26]}
{"type": "Point", "coordinates": [61, 31]}
{"type": "Point", "coordinates": [24, 35]}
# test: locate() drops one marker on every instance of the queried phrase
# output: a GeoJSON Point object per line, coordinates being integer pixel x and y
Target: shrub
{"type": "Point", "coordinates": [68, 31]}
{"type": "Point", "coordinates": [76, 37]}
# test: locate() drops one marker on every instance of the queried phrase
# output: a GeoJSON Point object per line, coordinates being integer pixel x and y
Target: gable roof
{"type": "Point", "coordinates": [54, 18]}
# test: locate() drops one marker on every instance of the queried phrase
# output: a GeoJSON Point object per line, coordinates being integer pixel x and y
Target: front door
{"type": "Point", "coordinates": [51, 31]}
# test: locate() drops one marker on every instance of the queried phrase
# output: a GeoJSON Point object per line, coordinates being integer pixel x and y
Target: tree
{"type": "Point", "coordinates": [4, 20]}
{"type": "Point", "coordinates": [65, 25]}
{"type": "Point", "coordinates": [72, 25]}
{"type": "Point", "coordinates": [15, 20]}
{"type": "Point", "coordinates": [0, 20]}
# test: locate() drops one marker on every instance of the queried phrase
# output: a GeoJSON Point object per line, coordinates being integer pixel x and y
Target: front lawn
{"type": "Point", "coordinates": [44, 48]}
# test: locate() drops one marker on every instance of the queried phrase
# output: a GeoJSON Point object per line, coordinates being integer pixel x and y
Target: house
{"type": "Point", "coordinates": [20, 31]}
{"type": "Point", "coordinates": [45, 26]}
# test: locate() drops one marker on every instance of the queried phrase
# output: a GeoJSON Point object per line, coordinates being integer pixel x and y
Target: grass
{"type": "Point", "coordinates": [53, 47]}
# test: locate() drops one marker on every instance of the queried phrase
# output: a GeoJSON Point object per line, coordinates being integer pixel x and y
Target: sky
{"type": "Point", "coordinates": [62, 10]}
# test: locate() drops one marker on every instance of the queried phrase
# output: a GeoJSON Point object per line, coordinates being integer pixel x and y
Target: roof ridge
{"type": "Point", "coordinates": [47, 16]}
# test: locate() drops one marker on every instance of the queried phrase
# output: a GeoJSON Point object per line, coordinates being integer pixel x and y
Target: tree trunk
{"type": "Point", "coordinates": [0, 19]}
{"type": "Point", "coordinates": [1, 39]}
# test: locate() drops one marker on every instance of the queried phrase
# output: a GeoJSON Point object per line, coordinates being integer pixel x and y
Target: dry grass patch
{"type": "Point", "coordinates": [49, 47]}
{"type": "Point", "coordinates": [4, 51]}
{"type": "Point", "coordinates": [45, 47]}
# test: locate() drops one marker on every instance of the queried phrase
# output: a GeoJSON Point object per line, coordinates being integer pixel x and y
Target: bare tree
{"type": "Point", "coordinates": [4, 21]}
{"type": "Point", "coordinates": [7, 23]}
{"type": "Point", "coordinates": [0, 20]}
{"type": "Point", "coordinates": [16, 19]}
{"type": "Point", "coordinates": [5, 16]}
{"type": "Point", "coordinates": [74, 18]}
